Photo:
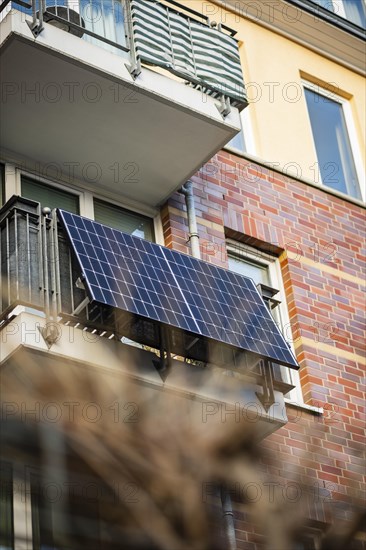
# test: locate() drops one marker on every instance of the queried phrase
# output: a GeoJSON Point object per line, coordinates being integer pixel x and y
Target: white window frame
{"type": "Point", "coordinates": [247, 131]}
{"type": "Point", "coordinates": [51, 183]}
{"type": "Point", "coordinates": [340, 10]}
{"type": "Point", "coordinates": [352, 134]}
{"type": "Point", "coordinates": [13, 175]}
{"type": "Point", "coordinates": [338, 7]}
{"type": "Point", "coordinates": [246, 252]}
{"type": "Point", "coordinates": [35, 471]}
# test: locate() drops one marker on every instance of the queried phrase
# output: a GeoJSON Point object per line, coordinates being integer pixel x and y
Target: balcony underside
{"type": "Point", "coordinates": [74, 109]}
{"type": "Point", "coordinates": [25, 357]}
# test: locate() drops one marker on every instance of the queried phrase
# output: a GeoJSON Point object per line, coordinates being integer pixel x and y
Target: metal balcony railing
{"type": "Point", "coordinates": [173, 37]}
{"type": "Point", "coordinates": [36, 266]}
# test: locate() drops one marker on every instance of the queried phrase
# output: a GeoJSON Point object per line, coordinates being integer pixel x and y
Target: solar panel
{"type": "Point", "coordinates": [163, 285]}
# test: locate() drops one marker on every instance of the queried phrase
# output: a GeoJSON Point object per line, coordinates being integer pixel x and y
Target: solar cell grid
{"type": "Point", "coordinates": [152, 281]}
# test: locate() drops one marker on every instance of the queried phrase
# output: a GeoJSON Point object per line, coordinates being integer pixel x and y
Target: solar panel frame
{"type": "Point", "coordinates": [151, 281]}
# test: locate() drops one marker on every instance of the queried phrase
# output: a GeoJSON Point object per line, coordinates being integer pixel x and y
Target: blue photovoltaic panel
{"type": "Point", "coordinates": [157, 283]}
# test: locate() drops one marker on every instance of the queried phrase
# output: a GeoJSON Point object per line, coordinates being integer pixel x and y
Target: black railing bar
{"type": "Point", "coordinates": [20, 2]}
{"type": "Point", "coordinates": [5, 322]}
{"type": "Point", "coordinates": [23, 4]}
{"type": "Point", "coordinates": [195, 81]}
{"type": "Point", "coordinates": [53, 259]}
{"type": "Point", "coordinates": [22, 303]}
{"type": "Point", "coordinates": [29, 259]}
{"type": "Point", "coordinates": [1, 279]}
{"type": "Point", "coordinates": [16, 252]}
{"type": "Point", "coordinates": [86, 31]}
{"type": "Point", "coordinates": [185, 15]}
{"type": "Point", "coordinates": [4, 4]}
{"type": "Point", "coordinates": [189, 10]}
{"type": "Point", "coordinates": [20, 210]}
{"type": "Point", "coordinates": [71, 281]}
{"type": "Point", "coordinates": [40, 261]}
{"type": "Point", "coordinates": [233, 32]}
{"type": "Point", "coordinates": [4, 314]}
{"type": "Point", "coordinates": [57, 260]}
{"type": "Point", "coordinates": [45, 260]}
{"type": "Point", "coordinates": [7, 237]}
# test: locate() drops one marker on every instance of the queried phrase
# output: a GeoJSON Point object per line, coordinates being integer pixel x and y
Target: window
{"type": "Point", "coordinates": [81, 513]}
{"type": "Point", "coordinates": [265, 269]}
{"type": "Point", "coordinates": [243, 142]}
{"type": "Point", "coordinates": [352, 10]}
{"type": "Point", "coordinates": [72, 519]}
{"type": "Point", "coordinates": [257, 271]}
{"type": "Point", "coordinates": [124, 220]}
{"type": "Point", "coordinates": [258, 266]}
{"type": "Point", "coordinates": [105, 18]}
{"type": "Point", "coordinates": [6, 507]}
{"type": "Point", "coordinates": [335, 152]}
{"type": "Point", "coordinates": [238, 142]}
{"type": "Point", "coordinates": [53, 197]}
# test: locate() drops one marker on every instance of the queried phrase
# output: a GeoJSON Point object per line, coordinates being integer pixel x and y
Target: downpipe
{"type": "Point", "coordinates": [228, 516]}
{"type": "Point", "coordinates": [194, 240]}
{"type": "Point", "coordinates": [227, 509]}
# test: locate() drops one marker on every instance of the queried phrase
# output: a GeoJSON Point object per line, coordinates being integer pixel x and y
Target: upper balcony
{"type": "Point", "coordinates": [130, 96]}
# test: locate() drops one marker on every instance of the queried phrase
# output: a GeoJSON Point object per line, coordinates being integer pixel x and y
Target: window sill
{"type": "Point", "coordinates": [304, 406]}
{"type": "Point", "coordinates": [235, 150]}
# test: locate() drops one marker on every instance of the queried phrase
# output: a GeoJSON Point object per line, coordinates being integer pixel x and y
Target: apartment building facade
{"type": "Point", "coordinates": [106, 114]}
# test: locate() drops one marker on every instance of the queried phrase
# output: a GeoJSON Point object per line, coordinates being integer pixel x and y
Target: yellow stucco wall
{"type": "Point", "coordinates": [273, 68]}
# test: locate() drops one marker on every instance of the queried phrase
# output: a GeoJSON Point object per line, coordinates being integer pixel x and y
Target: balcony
{"type": "Point", "coordinates": [132, 99]}
{"type": "Point", "coordinates": [46, 313]}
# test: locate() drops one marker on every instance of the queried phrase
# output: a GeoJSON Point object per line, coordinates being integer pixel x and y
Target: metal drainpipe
{"type": "Point", "coordinates": [227, 512]}
{"type": "Point", "coordinates": [227, 509]}
{"type": "Point", "coordinates": [187, 191]}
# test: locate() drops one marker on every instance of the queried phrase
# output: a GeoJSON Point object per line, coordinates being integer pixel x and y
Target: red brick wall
{"type": "Point", "coordinates": [320, 241]}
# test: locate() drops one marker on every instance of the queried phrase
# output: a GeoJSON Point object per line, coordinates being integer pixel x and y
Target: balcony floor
{"type": "Point", "coordinates": [74, 109]}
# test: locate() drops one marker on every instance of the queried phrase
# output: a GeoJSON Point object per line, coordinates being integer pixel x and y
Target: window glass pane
{"type": "Point", "coordinates": [352, 10]}
{"type": "Point", "coordinates": [327, 4]}
{"type": "Point", "coordinates": [238, 142]}
{"type": "Point", "coordinates": [105, 18]}
{"type": "Point", "coordinates": [53, 197]}
{"type": "Point", "coordinates": [257, 272]}
{"type": "Point", "coordinates": [332, 144]}
{"type": "Point", "coordinates": [355, 12]}
{"type": "Point", "coordinates": [124, 220]}
{"type": "Point", "coordinates": [6, 507]}
{"type": "Point", "coordinates": [260, 275]}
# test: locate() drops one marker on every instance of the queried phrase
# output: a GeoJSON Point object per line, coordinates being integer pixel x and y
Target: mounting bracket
{"type": "Point", "coordinates": [267, 397]}
{"type": "Point", "coordinates": [164, 364]}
